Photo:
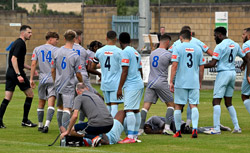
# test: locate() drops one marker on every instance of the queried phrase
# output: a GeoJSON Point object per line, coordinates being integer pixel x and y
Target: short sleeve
{"type": "Point", "coordinates": [202, 59]}
{"type": "Point", "coordinates": [175, 56]}
{"type": "Point", "coordinates": [18, 49]}
{"type": "Point", "coordinates": [125, 58]}
{"type": "Point", "coordinates": [34, 55]}
{"type": "Point", "coordinates": [217, 53]}
{"type": "Point", "coordinates": [77, 103]}
{"type": "Point", "coordinates": [245, 48]}
{"type": "Point", "coordinates": [53, 62]}
{"type": "Point", "coordinates": [96, 58]}
{"type": "Point", "coordinates": [140, 65]}
{"type": "Point", "coordinates": [203, 47]}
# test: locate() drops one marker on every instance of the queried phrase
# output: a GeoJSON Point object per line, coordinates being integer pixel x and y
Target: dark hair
{"type": "Point", "coordinates": [124, 38]}
{"type": "Point", "coordinates": [111, 35]}
{"type": "Point", "coordinates": [78, 32]}
{"type": "Point", "coordinates": [247, 29]}
{"type": "Point", "coordinates": [186, 28]}
{"type": "Point", "coordinates": [95, 43]}
{"type": "Point", "coordinates": [165, 37]}
{"type": "Point", "coordinates": [186, 34]}
{"type": "Point", "coordinates": [24, 27]}
{"type": "Point", "coordinates": [69, 35]}
{"type": "Point", "coordinates": [221, 30]}
{"type": "Point", "coordinates": [51, 35]}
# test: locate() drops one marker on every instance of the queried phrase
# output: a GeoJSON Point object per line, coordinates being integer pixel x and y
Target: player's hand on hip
{"type": "Point", "coordinates": [32, 84]}
{"type": "Point", "coordinates": [119, 94]}
{"type": "Point", "coordinates": [20, 79]}
{"type": "Point", "coordinates": [172, 87]}
{"type": "Point", "coordinates": [248, 79]}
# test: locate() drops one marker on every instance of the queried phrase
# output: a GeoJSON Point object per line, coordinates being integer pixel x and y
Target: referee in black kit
{"type": "Point", "coordinates": [16, 76]}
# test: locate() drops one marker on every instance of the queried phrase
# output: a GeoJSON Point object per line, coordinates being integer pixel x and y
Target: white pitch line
{"type": "Point", "coordinates": [70, 149]}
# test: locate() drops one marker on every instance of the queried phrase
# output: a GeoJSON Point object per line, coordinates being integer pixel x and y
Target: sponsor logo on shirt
{"type": "Point", "coordinates": [245, 50]}
{"type": "Point", "coordinates": [171, 47]}
{"type": "Point", "coordinates": [189, 50]}
{"type": "Point", "coordinates": [108, 53]}
{"type": "Point", "coordinates": [231, 46]}
{"type": "Point", "coordinates": [215, 54]}
{"type": "Point", "coordinates": [33, 55]}
{"type": "Point", "coordinates": [205, 46]}
{"type": "Point", "coordinates": [203, 59]}
{"type": "Point", "coordinates": [52, 62]}
{"type": "Point", "coordinates": [174, 56]}
{"type": "Point", "coordinates": [125, 60]}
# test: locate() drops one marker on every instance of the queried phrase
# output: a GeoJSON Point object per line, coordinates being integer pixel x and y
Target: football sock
{"type": "Point", "coordinates": [59, 117]}
{"type": "Point", "coordinates": [3, 107]}
{"type": "Point", "coordinates": [114, 110]}
{"type": "Point", "coordinates": [81, 117]}
{"type": "Point", "coordinates": [130, 124]}
{"type": "Point", "coordinates": [216, 117]}
{"type": "Point", "coordinates": [26, 108]}
{"type": "Point", "coordinates": [40, 114]}
{"type": "Point", "coordinates": [177, 119]}
{"type": "Point", "coordinates": [109, 108]}
{"type": "Point", "coordinates": [50, 113]}
{"type": "Point", "coordinates": [195, 117]}
{"type": "Point", "coordinates": [65, 118]}
{"type": "Point", "coordinates": [189, 113]}
{"type": "Point", "coordinates": [247, 105]}
{"type": "Point", "coordinates": [233, 116]}
{"type": "Point", "coordinates": [169, 116]}
{"type": "Point", "coordinates": [143, 117]}
{"type": "Point", "coordinates": [137, 123]}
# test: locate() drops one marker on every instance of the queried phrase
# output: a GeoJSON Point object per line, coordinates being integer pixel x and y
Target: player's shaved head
{"type": "Point", "coordinates": [124, 38]}
{"type": "Point", "coordinates": [51, 35]}
{"type": "Point", "coordinates": [70, 35]}
{"type": "Point", "coordinates": [165, 37]}
{"type": "Point", "coordinates": [111, 35]}
{"type": "Point", "coordinates": [186, 28]}
{"type": "Point", "coordinates": [185, 34]}
{"type": "Point", "coordinates": [221, 30]}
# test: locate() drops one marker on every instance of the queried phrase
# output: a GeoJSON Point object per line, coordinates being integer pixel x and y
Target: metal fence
{"type": "Point", "coordinates": [127, 24]}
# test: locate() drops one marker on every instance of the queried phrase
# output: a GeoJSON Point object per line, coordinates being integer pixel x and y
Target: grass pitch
{"type": "Point", "coordinates": [18, 139]}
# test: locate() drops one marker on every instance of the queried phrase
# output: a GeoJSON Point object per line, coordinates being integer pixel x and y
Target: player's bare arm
{"type": "Point", "coordinates": [173, 72]}
{"type": "Point", "coordinates": [71, 124]}
{"type": "Point", "coordinates": [210, 52]}
{"type": "Point", "coordinates": [53, 74]}
{"type": "Point", "coordinates": [79, 76]}
{"type": "Point", "coordinates": [32, 72]}
{"type": "Point", "coordinates": [122, 81]}
{"type": "Point", "coordinates": [211, 64]}
{"type": "Point", "coordinates": [201, 74]}
{"type": "Point", "coordinates": [15, 66]}
{"type": "Point", "coordinates": [92, 70]}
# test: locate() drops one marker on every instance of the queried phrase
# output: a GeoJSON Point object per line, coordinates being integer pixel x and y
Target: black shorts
{"type": "Point", "coordinates": [12, 81]}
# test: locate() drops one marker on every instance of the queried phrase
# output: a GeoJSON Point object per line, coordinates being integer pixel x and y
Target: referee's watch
{"type": "Point", "coordinates": [18, 74]}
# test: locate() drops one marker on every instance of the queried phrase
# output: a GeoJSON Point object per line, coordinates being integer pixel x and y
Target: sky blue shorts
{"type": "Point", "coordinates": [245, 87]}
{"type": "Point", "coordinates": [132, 99]}
{"type": "Point", "coordinates": [111, 97]}
{"type": "Point", "coordinates": [182, 96]}
{"type": "Point", "coordinates": [224, 84]}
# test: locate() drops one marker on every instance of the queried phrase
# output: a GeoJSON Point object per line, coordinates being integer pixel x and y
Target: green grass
{"type": "Point", "coordinates": [18, 139]}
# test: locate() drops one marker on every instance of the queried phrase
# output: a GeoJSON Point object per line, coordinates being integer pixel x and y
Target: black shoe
{"type": "Point", "coordinates": [28, 123]}
{"type": "Point", "coordinates": [2, 125]}
{"type": "Point", "coordinates": [40, 128]}
{"type": "Point", "coordinates": [45, 129]}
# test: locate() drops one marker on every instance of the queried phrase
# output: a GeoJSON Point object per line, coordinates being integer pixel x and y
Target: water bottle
{"type": "Point", "coordinates": [63, 142]}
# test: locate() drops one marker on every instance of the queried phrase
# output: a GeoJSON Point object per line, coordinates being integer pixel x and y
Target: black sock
{"type": "Point", "coordinates": [3, 107]}
{"type": "Point", "coordinates": [26, 108]}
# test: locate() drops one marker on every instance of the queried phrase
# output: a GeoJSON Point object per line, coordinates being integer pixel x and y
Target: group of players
{"type": "Point", "coordinates": [64, 74]}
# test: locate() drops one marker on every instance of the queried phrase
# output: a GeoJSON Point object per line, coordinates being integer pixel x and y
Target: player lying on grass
{"type": "Point", "coordinates": [156, 124]}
